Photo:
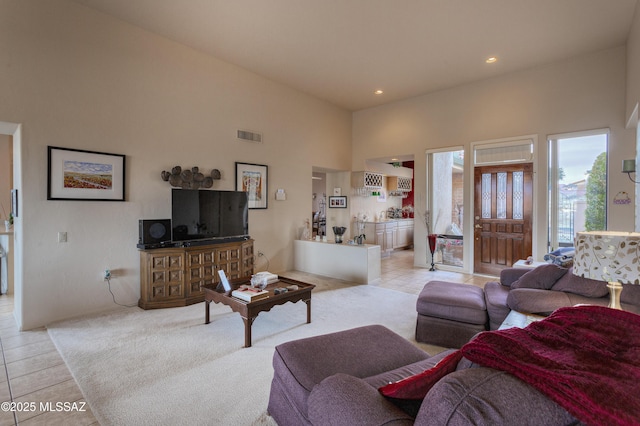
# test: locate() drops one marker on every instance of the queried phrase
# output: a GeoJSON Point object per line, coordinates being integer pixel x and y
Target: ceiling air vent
{"type": "Point", "coordinates": [246, 135]}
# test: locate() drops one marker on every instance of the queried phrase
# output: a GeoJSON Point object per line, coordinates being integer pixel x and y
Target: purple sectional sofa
{"type": "Point", "coordinates": [449, 314]}
{"type": "Point", "coordinates": [546, 288]}
{"type": "Point", "coordinates": [334, 379]}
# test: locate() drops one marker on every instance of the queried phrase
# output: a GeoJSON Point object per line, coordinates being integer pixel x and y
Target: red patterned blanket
{"type": "Point", "coordinates": [585, 358]}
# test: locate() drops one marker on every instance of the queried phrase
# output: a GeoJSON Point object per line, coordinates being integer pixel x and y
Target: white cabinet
{"type": "Point", "coordinates": [390, 235]}
{"type": "Point", "coordinates": [381, 234]}
{"type": "Point", "coordinates": [367, 180]}
{"type": "Point", "coordinates": [405, 233]}
{"type": "Point", "coordinates": [399, 184]}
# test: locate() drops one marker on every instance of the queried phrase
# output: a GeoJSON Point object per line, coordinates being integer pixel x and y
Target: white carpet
{"type": "Point", "coordinates": [166, 367]}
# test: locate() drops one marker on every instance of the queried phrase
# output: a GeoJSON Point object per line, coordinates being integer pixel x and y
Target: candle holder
{"type": "Point", "coordinates": [432, 247]}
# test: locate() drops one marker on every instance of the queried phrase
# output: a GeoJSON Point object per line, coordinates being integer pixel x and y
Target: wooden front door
{"type": "Point", "coordinates": [503, 216]}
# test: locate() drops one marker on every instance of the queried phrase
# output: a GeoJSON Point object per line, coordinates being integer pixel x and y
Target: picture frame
{"type": "Point", "coordinates": [75, 174]}
{"type": "Point", "coordinates": [253, 179]}
{"type": "Point", "coordinates": [224, 281]}
{"type": "Point", "coordinates": [14, 202]}
{"type": "Point", "coordinates": [338, 202]}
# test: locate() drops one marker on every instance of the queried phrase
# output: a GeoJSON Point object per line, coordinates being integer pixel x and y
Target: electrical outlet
{"type": "Point", "coordinates": [107, 274]}
{"type": "Point", "coordinates": [62, 237]}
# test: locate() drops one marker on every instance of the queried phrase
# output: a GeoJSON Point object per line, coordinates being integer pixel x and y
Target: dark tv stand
{"type": "Point", "coordinates": [173, 276]}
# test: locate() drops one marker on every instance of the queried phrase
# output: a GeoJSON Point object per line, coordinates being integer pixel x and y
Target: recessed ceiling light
{"type": "Point", "coordinates": [394, 159]}
{"type": "Point", "coordinates": [378, 92]}
{"type": "Point", "coordinates": [491, 60]}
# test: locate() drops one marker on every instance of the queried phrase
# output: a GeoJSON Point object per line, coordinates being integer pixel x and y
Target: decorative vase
{"type": "Point", "coordinates": [432, 247]}
{"type": "Point", "coordinates": [339, 232]}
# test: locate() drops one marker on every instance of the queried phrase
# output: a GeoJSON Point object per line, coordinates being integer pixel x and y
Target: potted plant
{"type": "Point", "coordinates": [361, 220]}
{"type": "Point", "coordinates": [9, 219]}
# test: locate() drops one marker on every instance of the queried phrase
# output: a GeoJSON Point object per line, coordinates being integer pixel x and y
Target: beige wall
{"type": "Point", "coordinates": [6, 176]}
{"type": "Point", "coordinates": [77, 78]}
{"type": "Point", "coordinates": [633, 67]}
{"type": "Point", "coordinates": [582, 93]}
{"type": "Point", "coordinates": [633, 95]}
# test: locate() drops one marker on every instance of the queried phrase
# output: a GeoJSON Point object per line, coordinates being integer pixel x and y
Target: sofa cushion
{"type": "Point", "coordinates": [535, 301]}
{"type": "Point", "coordinates": [342, 399]}
{"type": "Point", "coordinates": [510, 275]}
{"type": "Point", "coordinates": [483, 396]}
{"type": "Point", "coordinates": [495, 295]}
{"type": "Point", "coordinates": [587, 287]}
{"type": "Point", "coordinates": [301, 364]}
{"type": "Point", "coordinates": [342, 352]}
{"type": "Point", "coordinates": [542, 277]}
{"type": "Point", "coordinates": [416, 387]}
{"type": "Point", "coordinates": [405, 371]}
{"type": "Point", "coordinates": [630, 294]}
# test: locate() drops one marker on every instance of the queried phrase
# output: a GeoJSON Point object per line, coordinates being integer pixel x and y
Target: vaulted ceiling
{"type": "Point", "coordinates": [343, 50]}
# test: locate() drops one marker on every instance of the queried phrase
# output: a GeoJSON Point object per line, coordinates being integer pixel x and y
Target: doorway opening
{"type": "Point", "coordinates": [446, 206]}
{"type": "Point", "coordinates": [319, 205]}
{"type": "Point", "coordinates": [14, 239]}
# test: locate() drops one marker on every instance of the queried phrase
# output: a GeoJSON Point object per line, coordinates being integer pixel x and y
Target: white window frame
{"type": "Point", "coordinates": [552, 176]}
{"type": "Point", "coordinates": [429, 199]}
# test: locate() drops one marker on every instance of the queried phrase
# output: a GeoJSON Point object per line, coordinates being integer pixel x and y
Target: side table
{"type": "Point", "coordinates": [521, 264]}
{"type": "Point", "coordinates": [518, 319]}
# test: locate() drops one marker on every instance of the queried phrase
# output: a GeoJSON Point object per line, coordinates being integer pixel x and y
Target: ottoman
{"type": "Point", "coordinates": [299, 365]}
{"type": "Point", "coordinates": [449, 314]}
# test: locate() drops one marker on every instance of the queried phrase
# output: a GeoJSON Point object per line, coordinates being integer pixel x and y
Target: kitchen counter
{"type": "Point", "coordinates": [357, 263]}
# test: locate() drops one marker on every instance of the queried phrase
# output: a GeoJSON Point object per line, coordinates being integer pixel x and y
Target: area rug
{"type": "Point", "coordinates": [166, 367]}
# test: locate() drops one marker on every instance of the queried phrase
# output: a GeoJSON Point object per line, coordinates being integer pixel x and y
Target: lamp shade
{"type": "Point", "coordinates": [608, 256]}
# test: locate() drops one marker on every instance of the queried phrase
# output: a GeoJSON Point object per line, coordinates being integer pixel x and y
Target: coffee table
{"type": "Point", "coordinates": [249, 310]}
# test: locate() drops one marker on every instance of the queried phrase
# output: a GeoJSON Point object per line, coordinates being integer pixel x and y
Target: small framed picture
{"type": "Point", "coordinates": [252, 179]}
{"type": "Point", "coordinates": [224, 281]}
{"type": "Point", "coordinates": [338, 202]}
{"type": "Point", "coordinates": [75, 174]}
{"type": "Point", "coordinates": [14, 202]}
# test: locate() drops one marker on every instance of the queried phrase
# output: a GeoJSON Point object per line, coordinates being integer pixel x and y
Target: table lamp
{"type": "Point", "coordinates": [608, 256]}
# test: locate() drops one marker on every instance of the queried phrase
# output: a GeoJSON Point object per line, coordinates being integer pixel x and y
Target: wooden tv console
{"type": "Point", "coordinates": [174, 276]}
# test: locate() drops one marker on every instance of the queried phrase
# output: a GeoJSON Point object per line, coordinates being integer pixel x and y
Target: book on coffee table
{"type": "Point", "coordinates": [271, 278]}
{"type": "Point", "coordinates": [250, 294]}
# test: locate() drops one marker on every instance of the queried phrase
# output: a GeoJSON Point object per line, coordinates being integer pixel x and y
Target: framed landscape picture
{"type": "Point", "coordinates": [75, 174]}
{"type": "Point", "coordinates": [252, 178]}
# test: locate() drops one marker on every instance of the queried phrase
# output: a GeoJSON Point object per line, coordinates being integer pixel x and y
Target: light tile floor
{"type": "Point", "coordinates": [34, 378]}
{"type": "Point", "coordinates": [35, 374]}
{"type": "Point", "coordinates": [398, 273]}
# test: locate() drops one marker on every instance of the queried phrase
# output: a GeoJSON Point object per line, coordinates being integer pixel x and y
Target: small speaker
{"type": "Point", "coordinates": [154, 231]}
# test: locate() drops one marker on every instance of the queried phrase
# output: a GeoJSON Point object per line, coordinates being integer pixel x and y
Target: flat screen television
{"type": "Point", "coordinates": [208, 214]}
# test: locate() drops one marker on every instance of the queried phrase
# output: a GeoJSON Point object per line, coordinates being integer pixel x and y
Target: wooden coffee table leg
{"type": "Point", "coordinates": [206, 311]}
{"type": "Point", "coordinates": [308, 302]}
{"type": "Point", "coordinates": [247, 331]}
